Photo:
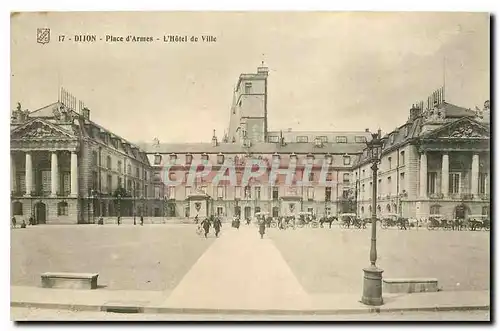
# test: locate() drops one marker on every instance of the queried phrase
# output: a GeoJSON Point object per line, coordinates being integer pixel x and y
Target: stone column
{"type": "Point", "coordinates": [54, 174]}
{"type": "Point", "coordinates": [445, 174]}
{"type": "Point", "coordinates": [423, 175]}
{"type": "Point", "coordinates": [475, 175]}
{"type": "Point", "coordinates": [74, 174]}
{"type": "Point", "coordinates": [13, 179]}
{"type": "Point", "coordinates": [29, 174]}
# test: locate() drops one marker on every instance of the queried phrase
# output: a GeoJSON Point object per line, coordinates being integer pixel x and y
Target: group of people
{"type": "Point", "coordinates": [209, 222]}
{"type": "Point", "coordinates": [31, 221]}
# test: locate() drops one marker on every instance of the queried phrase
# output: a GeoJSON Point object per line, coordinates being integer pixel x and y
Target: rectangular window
{"type": "Point", "coordinates": [220, 159]}
{"type": "Point", "coordinates": [171, 192]}
{"type": "Point", "coordinates": [379, 187]}
{"type": "Point", "coordinates": [95, 182]}
{"type": "Point", "coordinates": [341, 139]}
{"type": "Point", "coordinates": [328, 193]}
{"type": "Point", "coordinates": [345, 194]}
{"type": "Point", "coordinates": [431, 182]}
{"type": "Point", "coordinates": [302, 139]}
{"type": "Point", "coordinates": [220, 192]}
{"type": "Point", "coordinates": [189, 158]}
{"type": "Point", "coordinates": [248, 88]}
{"type": "Point", "coordinates": [329, 159]}
{"type": "Point", "coordinates": [360, 139]}
{"type": "Point", "coordinates": [329, 177]}
{"type": "Point", "coordinates": [311, 177]}
{"type": "Point", "coordinates": [173, 158]}
{"type": "Point", "coordinates": [402, 187]}
{"type": "Point", "coordinates": [402, 158]}
{"type": "Point", "coordinates": [119, 181]}
{"type": "Point", "coordinates": [346, 178]}
{"type": "Point", "coordinates": [482, 182]}
{"type": "Point", "coordinates": [257, 192]}
{"type": "Point", "coordinates": [157, 160]}
{"type": "Point", "coordinates": [454, 183]}
{"type": "Point", "coordinates": [274, 139]}
{"type": "Point", "coordinates": [310, 193]}
{"type": "Point", "coordinates": [310, 210]}
{"type": "Point", "coordinates": [363, 188]}
{"type": "Point", "coordinates": [363, 173]}
{"type": "Point", "coordinates": [248, 192]}
{"type": "Point", "coordinates": [109, 184]}
{"type": "Point", "coordinates": [275, 193]}
{"type": "Point", "coordinates": [237, 192]}
{"type": "Point", "coordinates": [204, 157]}
{"type": "Point", "coordinates": [389, 160]}
{"type": "Point", "coordinates": [323, 139]}
{"type": "Point", "coordinates": [347, 160]}
{"type": "Point", "coordinates": [389, 191]}
{"type": "Point", "coordinates": [157, 192]}
{"type": "Point", "coordinates": [293, 159]}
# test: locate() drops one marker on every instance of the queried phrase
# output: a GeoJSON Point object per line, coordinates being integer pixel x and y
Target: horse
{"type": "Point", "coordinates": [327, 219]}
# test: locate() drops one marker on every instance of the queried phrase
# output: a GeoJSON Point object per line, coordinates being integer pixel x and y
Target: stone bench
{"type": "Point", "coordinates": [82, 281]}
{"type": "Point", "coordinates": [410, 285]}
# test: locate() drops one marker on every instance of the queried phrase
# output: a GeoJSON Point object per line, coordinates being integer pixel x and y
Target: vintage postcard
{"type": "Point", "coordinates": [250, 166]}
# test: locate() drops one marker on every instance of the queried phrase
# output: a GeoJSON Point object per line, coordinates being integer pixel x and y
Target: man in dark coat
{"type": "Point", "coordinates": [13, 221]}
{"type": "Point", "coordinates": [217, 226]}
{"type": "Point", "coordinates": [31, 220]}
{"type": "Point", "coordinates": [262, 228]}
{"type": "Point", "coordinates": [142, 220]}
{"type": "Point", "coordinates": [206, 226]}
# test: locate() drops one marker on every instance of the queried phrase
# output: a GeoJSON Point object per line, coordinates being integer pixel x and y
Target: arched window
{"type": "Point", "coordinates": [62, 208]}
{"type": "Point", "coordinates": [17, 208]}
{"type": "Point", "coordinates": [388, 207]}
{"type": "Point", "coordinates": [108, 162]}
{"type": "Point", "coordinates": [394, 208]}
{"type": "Point", "coordinates": [435, 210]}
{"type": "Point", "coordinates": [370, 209]}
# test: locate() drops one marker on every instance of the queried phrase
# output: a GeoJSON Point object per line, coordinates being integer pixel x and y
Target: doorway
{"type": "Point", "coordinates": [40, 213]}
{"type": "Point", "coordinates": [460, 212]}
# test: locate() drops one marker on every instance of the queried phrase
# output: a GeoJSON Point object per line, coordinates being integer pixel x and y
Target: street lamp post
{"type": "Point", "coordinates": [119, 196]}
{"type": "Point", "coordinates": [372, 282]}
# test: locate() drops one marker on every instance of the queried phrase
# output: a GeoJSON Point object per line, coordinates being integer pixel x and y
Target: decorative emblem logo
{"type": "Point", "coordinates": [42, 35]}
{"type": "Point", "coordinates": [197, 206]}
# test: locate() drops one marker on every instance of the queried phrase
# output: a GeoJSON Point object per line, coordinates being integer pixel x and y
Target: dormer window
{"type": "Point", "coordinates": [157, 159]}
{"type": "Point", "coordinates": [204, 157]}
{"type": "Point", "coordinates": [173, 158]}
{"type": "Point", "coordinates": [341, 139]}
{"type": "Point", "coordinates": [360, 139]}
{"type": "Point", "coordinates": [302, 139]}
{"type": "Point", "coordinates": [189, 158]}
{"type": "Point", "coordinates": [347, 160]}
{"type": "Point", "coordinates": [248, 88]}
{"type": "Point", "coordinates": [274, 139]}
{"type": "Point", "coordinates": [220, 158]}
{"type": "Point", "coordinates": [393, 136]}
{"type": "Point", "coordinates": [406, 131]}
{"type": "Point", "coordinates": [329, 159]}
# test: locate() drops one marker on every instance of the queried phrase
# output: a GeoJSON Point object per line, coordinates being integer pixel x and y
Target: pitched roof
{"type": "Point", "coordinates": [264, 148]}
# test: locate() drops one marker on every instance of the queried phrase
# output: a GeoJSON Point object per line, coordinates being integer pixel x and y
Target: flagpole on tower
{"type": "Point", "coordinates": [444, 77]}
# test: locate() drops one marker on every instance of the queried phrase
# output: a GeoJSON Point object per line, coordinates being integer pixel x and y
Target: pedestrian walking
{"type": "Point", "coordinates": [142, 220]}
{"type": "Point", "coordinates": [31, 220]}
{"type": "Point", "coordinates": [206, 226]}
{"type": "Point", "coordinates": [217, 226]}
{"type": "Point", "coordinates": [262, 228]}
{"type": "Point", "coordinates": [23, 225]}
{"type": "Point", "coordinates": [13, 220]}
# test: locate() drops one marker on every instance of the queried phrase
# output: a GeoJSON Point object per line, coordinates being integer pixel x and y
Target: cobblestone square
{"type": "Point", "coordinates": [153, 257]}
{"type": "Point", "coordinates": [331, 260]}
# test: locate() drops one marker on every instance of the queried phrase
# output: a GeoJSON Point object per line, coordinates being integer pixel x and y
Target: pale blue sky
{"type": "Point", "coordinates": [328, 71]}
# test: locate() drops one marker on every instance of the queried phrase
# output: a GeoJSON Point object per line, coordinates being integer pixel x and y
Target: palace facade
{"type": "Point", "coordinates": [66, 168]}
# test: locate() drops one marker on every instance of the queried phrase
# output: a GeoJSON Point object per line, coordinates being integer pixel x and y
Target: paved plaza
{"type": "Point", "coordinates": [285, 265]}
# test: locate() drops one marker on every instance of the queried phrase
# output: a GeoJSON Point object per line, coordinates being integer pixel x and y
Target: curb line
{"type": "Point", "coordinates": [210, 311]}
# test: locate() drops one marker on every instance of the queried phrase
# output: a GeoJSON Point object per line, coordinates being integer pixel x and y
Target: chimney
{"type": "Point", "coordinates": [415, 112]}
{"type": "Point", "coordinates": [86, 113]}
{"type": "Point", "coordinates": [263, 70]}
{"type": "Point", "coordinates": [214, 140]}
{"type": "Point", "coordinates": [367, 130]}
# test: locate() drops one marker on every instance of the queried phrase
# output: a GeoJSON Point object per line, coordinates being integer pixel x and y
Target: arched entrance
{"type": "Point", "coordinates": [40, 213]}
{"type": "Point", "coordinates": [461, 211]}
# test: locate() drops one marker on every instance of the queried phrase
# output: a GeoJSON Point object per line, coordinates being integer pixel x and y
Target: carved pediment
{"type": "Point", "coordinates": [39, 129]}
{"type": "Point", "coordinates": [461, 129]}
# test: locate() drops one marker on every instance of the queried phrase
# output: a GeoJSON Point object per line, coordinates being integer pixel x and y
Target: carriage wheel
{"type": "Point", "coordinates": [486, 227]}
{"type": "Point", "coordinates": [274, 224]}
{"type": "Point", "coordinates": [471, 228]}
{"type": "Point", "coordinates": [430, 226]}
{"type": "Point", "coordinates": [300, 225]}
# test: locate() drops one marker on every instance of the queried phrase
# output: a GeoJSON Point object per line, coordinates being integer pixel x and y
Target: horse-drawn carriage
{"type": "Point", "coordinates": [392, 220]}
{"type": "Point", "coordinates": [264, 215]}
{"type": "Point", "coordinates": [478, 222]}
{"type": "Point", "coordinates": [350, 219]}
{"type": "Point", "coordinates": [439, 222]}
{"type": "Point", "coordinates": [307, 219]}
{"type": "Point", "coordinates": [327, 219]}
